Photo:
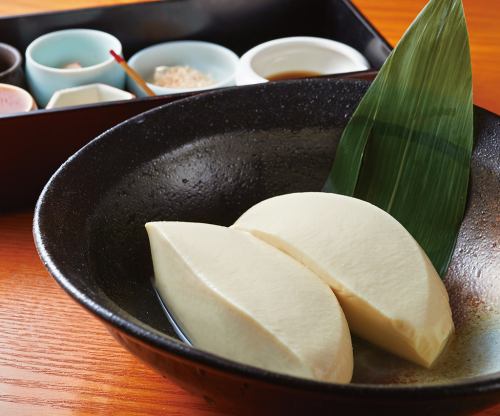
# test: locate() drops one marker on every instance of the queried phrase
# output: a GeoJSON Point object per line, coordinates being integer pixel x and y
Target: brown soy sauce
{"type": "Point", "coordinates": [280, 76]}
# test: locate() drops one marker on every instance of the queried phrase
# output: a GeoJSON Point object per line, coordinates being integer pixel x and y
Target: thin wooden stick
{"type": "Point", "coordinates": [132, 73]}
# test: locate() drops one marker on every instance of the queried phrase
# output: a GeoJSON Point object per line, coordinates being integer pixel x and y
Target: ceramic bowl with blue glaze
{"type": "Point", "coordinates": [86, 51]}
{"type": "Point", "coordinates": [216, 61]}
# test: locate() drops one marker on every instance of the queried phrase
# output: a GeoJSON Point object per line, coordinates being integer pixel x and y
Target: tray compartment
{"type": "Point", "coordinates": [35, 144]}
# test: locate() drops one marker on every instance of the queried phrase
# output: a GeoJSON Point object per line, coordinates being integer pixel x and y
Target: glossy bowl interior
{"type": "Point", "coordinates": [210, 157]}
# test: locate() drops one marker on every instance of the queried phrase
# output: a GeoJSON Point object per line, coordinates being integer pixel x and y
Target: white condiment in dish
{"type": "Point", "coordinates": [180, 76]}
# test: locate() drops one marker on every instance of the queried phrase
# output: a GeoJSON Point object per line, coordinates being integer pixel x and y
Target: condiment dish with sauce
{"type": "Point", "coordinates": [297, 57]}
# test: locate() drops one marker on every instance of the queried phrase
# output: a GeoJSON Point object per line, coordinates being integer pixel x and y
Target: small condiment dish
{"type": "Point", "coordinates": [298, 54]}
{"type": "Point", "coordinates": [48, 56]}
{"type": "Point", "coordinates": [211, 59]}
{"type": "Point", "coordinates": [87, 94]}
{"type": "Point", "coordinates": [11, 70]}
{"type": "Point", "coordinates": [14, 99]}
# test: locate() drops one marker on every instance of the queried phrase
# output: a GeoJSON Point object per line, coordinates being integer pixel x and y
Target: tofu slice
{"type": "Point", "coordinates": [238, 297]}
{"type": "Point", "coordinates": [389, 290]}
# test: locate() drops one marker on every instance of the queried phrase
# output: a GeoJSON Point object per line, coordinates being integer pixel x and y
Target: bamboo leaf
{"type": "Point", "coordinates": [408, 146]}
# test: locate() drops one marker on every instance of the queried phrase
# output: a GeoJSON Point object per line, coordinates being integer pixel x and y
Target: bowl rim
{"type": "Point", "coordinates": [247, 72]}
{"type": "Point", "coordinates": [125, 95]}
{"type": "Point", "coordinates": [215, 47]}
{"type": "Point", "coordinates": [24, 94]}
{"type": "Point", "coordinates": [17, 58]}
{"type": "Point", "coordinates": [154, 339]}
{"type": "Point", "coordinates": [70, 71]}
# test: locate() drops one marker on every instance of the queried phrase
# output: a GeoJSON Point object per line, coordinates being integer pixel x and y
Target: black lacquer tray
{"type": "Point", "coordinates": [35, 144]}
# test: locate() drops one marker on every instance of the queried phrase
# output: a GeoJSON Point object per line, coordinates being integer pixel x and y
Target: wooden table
{"type": "Point", "coordinates": [56, 359]}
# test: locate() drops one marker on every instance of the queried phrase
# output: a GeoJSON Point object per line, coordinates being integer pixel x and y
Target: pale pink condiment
{"type": "Point", "coordinates": [15, 100]}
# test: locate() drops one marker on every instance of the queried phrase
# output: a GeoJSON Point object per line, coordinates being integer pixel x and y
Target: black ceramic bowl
{"type": "Point", "coordinates": [11, 70]}
{"type": "Point", "coordinates": [209, 158]}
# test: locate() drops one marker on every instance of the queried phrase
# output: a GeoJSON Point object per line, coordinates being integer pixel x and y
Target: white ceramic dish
{"type": "Point", "coordinates": [87, 94]}
{"type": "Point", "coordinates": [47, 55]}
{"type": "Point", "coordinates": [298, 54]}
{"type": "Point", "coordinates": [214, 60]}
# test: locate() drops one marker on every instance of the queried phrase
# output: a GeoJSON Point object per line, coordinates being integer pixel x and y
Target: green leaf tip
{"type": "Point", "coordinates": [408, 145]}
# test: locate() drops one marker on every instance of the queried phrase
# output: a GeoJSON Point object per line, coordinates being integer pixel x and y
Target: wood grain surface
{"type": "Point", "coordinates": [392, 17]}
{"type": "Point", "coordinates": [56, 359]}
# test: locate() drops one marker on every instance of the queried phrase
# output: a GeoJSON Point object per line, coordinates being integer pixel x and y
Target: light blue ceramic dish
{"type": "Point", "coordinates": [215, 60]}
{"type": "Point", "coordinates": [47, 55]}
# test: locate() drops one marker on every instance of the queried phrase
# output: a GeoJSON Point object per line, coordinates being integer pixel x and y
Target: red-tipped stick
{"type": "Point", "coordinates": [132, 74]}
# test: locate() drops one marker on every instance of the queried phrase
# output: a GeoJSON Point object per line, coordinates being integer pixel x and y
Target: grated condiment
{"type": "Point", "coordinates": [181, 77]}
